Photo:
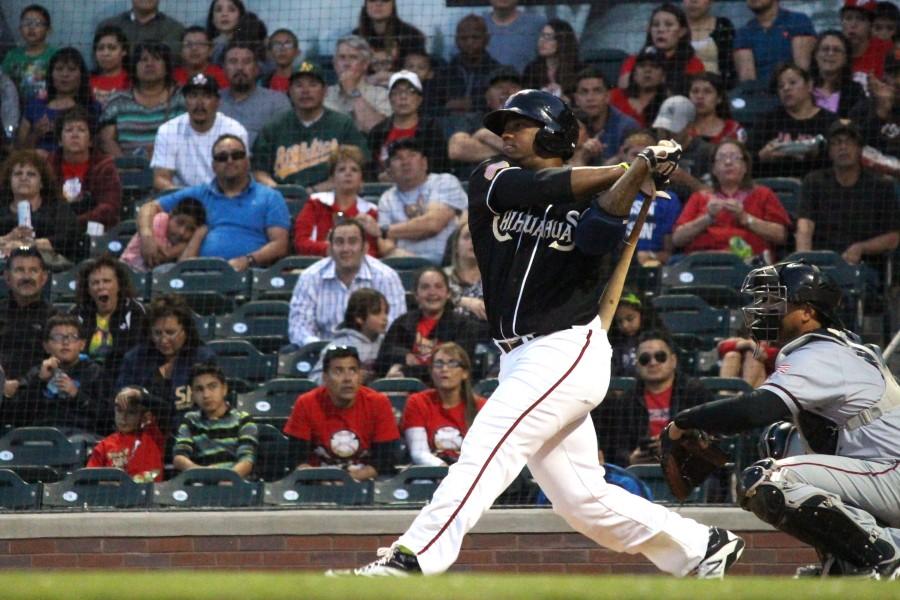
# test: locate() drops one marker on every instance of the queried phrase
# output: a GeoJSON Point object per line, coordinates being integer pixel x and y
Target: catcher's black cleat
{"type": "Point", "coordinates": [394, 561]}
{"type": "Point", "coordinates": [724, 549]}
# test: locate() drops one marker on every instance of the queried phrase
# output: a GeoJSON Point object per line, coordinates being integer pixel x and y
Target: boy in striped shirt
{"type": "Point", "coordinates": [216, 435]}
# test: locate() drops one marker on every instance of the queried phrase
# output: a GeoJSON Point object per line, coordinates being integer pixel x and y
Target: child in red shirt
{"type": "Point", "coordinates": [137, 445]}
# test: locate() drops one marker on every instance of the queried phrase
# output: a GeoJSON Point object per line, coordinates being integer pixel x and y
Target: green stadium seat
{"type": "Point", "coordinates": [115, 240]}
{"type": "Point", "coordinates": [413, 486]}
{"type": "Point", "coordinates": [327, 486]}
{"type": "Point", "coordinates": [208, 285]}
{"type": "Point", "coordinates": [40, 454]}
{"type": "Point", "coordinates": [16, 494]}
{"type": "Point", "coordinates": [787, 189]}
{"type": "Point", "coordinates": [207, 488]}
{"type": "Point", "coordinates": [398, 389]}
{"type": "Point", "coordinates": [608, 61]}
{"type": "Point", "coordinates": [690, 314]}
{"type": "Point", "coordinates": [273, 461]}
{"type": "Point", "coordinates": [295, 197]}
{"type": "Point", "coordinates": [97, 488]}
{"type": "Point", "coordinates": [263, 323]}
{"type": "Point", "coordinates": [274, 400]}
{"type": "Point", "coordinates": [716, 277]}
{"type": "Point", "coordinates": [277, 281]}
{"type": "Point", "coordinates": [300, 363]}
{"type": "Point", "coordinates": [240, 359]}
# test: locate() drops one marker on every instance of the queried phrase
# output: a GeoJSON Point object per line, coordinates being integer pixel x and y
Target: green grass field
{"type": "Point", "coordinates": [162, 585]}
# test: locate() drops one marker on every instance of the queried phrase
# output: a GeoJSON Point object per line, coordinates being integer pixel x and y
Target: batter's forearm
{"type": "Point", "coordinates": [588, 181]}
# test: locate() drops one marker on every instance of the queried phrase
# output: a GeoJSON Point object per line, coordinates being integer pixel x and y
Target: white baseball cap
{"type": "Point", "coordinates": [675, 114]}
{"type": "Point", "coordinates": [407, 76]}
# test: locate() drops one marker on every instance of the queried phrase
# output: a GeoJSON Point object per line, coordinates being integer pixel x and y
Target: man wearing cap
{"type": "Point", "coordinates": [343, 423]}
{"type": "Point", "coordinates": [846, 208]}
{"type": "Point", "coordinates": [480, 143]}
{"type": "Point", "coordinates": [420, 211]}
{"type": "Point", "coordinates": [775, 35]}
{"type": "Point", "coordinates": [868, 52]}
{"type": "Point", "coordinates": [244, 100]}
{"type": "Point", "coordinates": [672, 122]}
{"type": "Point", "coordinates": [183, 147]}
{"type": "Point", "coordinates": [406, 121]}
{"type": "Point", "coordinates": [296, 146]}
{"type": "Point", "coordinates": [352, 95]}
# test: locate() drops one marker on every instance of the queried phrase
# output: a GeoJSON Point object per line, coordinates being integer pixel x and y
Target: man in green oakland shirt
{"type": "Point", "coordinates": [296, 146]}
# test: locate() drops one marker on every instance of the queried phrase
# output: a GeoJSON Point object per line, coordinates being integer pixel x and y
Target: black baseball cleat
{"type": "Point", "coordinates": [394, 561]}
{"type": "Point", "coordinates": [724, 550]}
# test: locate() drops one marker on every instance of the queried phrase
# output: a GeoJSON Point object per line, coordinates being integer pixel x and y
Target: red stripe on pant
{"type": "Point", "coordinates": [503, 439]}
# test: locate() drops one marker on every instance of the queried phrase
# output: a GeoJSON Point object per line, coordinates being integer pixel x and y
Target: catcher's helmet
{"type": "Point", "coordinates": [559, 131]}
{"type": "Point", "coordinates": [771, 288]}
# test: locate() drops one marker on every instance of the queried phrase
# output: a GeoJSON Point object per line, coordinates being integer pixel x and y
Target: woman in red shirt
{"type": "Point", "coordinates": [110, 56]}
{"type": "Point", "coordinates": [318, 214]}
{"type": "Point", "coordinates": [713, 122]}
{"type": "Point", "coordinates": [436, 421]}
{"type": "Point", "coordinates": [646, 88]}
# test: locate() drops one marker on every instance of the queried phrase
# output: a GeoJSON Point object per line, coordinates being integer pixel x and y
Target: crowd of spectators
{"type": "Point", "coordinates": [232, 119]}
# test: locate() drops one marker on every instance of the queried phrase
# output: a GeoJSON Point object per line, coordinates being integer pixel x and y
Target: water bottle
{"type": "Point", "coordinates": [23, 210]}
{"type": "Point", "coordinates": [52, 386]}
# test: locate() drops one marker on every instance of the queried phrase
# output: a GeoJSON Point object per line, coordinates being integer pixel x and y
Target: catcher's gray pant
{"type": "Point", "coordinates": [868, 490]}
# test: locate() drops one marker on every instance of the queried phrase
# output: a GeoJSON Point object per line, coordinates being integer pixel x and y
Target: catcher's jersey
{"type": "Point", "coordinates": [836, 381]}
{"type": "Point", "coordinates": [536, 281]}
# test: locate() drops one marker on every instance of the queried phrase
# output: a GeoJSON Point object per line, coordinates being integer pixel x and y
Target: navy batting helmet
{"type": "Point", "coordinates": [772, 288]}
{"type": "Point", "coordinates": [559, 131]}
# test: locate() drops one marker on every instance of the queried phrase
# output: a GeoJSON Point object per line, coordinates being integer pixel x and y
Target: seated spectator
{"type": "Point", "coordinates": [436, 420]}
{"type": "Point", "coordinates": [885, 21]}
{"type": "Point", "coordinates": [381, 68]}
{"type": "Point", "coordinates": [606, 124]}
{"type": "Point", "coordinates": [66, 390]}
{"type": "Point", "coordinates": [787, 142]}
{"type": "Point", "coordinates": [110, 59]}
{"type": "Point", "coordinates": [466, 290]}
{"type": "Point", "coordinates": [221, 24]}
{"type": "Point", "coordinates": [196, 55]}
{"type": "Point", "coordinates": [513, 33]}
{"type": "Point", "coordinates": [352, 95]}
{"type": "Point", "coordinates": [322, 209]}
{"type": "Point", "coordinates": [320, 297]}
{"type": "Point", "coordinates": [879, 118]}
{"type": "Point", "coordinates": [28, 65]}
{"type": "Point", "coordinates": [112, 319]}
{"type": "Point", "coordinates": [217, 435]}
{"type": "Point", "coordinates": [407, 121]}
{"type": "Point", "coordinates": [342, 423]}
{"type": "Point", "coordinates": [868, 52]}
{"type": "Point", "coordinates": [252, 32]}
{"type": "Point", "coordinates": [632, 318]}
{"type": "Point", "coordinates": [646, 88]}
{"type": "Point", "coordinates": [713, 40]}
{"type": "Point", "coordinates": [380, 26]}
{"type": "Point", "coordinates": [472, 147]}
{"type": "Point", "coordinates": [557, 60]}
{"type": "Point", "coordinates": [145, 22]}
{"type": "Point", "coordinates": [773, 36]}
{"type": "Point", "coordinates": [737, 215]}
{"type": "Point", "coordinates": [284, 48]}
{"type": "Point", "coordinates": [172, 233]}
{"type": "Point", "coordinates": [47, 221]}
{"type": "Point", "coordinates": [669, 34]}
{"type": "Point", "coordinates": [137, 445]}
{"type": "Point", "coordinates": [434, 86]}
{"type": "Point", "coordinates": [68, 85]}
{"type": "Point", "coordinates": [834, 88]}
{"type": "Point", "coordinates": [129, 122]}
{"type": "Point", "coordinates": [744, 357]}
{"type": "Point", "coordinates": [23, 316]}
{"type": "Point", "coordinates": [628, 428]}
{"type": "Point", "coordinates": [846, 208]}
{"type": "Point", "coordinates": [250, 104]}
{"type": "Point", "coordinates": [183, 147]}
{"type": "Point", "coordinates": [674, 122]}
{"type": "Point", "coordinates": [247, 223]}
{"type": "Point", "coordinates": [468, 71]}
{"type": "Point", "coordinates": [90, 181]}
{"type": "Point", "coordinates": [363, 327]}
{"type": "Point", "coordinates": [158, 368]}
{"type": "Point", "coordinates": [410, 340]}
{"type": "Point", "coordinates": [295, 147]}
{"type": "Point", "coordinates": [713, 122]}
{"type": "Point", "coordinates": [420, 211]}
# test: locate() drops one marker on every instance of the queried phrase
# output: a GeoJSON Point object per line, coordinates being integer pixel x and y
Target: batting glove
{"type": "Point", "coordinates": [662, 158]}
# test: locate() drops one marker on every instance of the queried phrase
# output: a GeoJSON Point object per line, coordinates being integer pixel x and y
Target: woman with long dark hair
{"type": "Point", "coordinates": [831, 70]}
{"type": "Point", "coordinates": [557, 62]}
{"type": "Point", "coordinates": [382, 28]}
{"type": "Point", "coordinates": [646, 88]}
{"type": "Point", "coordinates": [713, 120]}
{"type": "Point", "coordinates": [110, 72]}
{"type": "Point", "coordinates": [221, 23]}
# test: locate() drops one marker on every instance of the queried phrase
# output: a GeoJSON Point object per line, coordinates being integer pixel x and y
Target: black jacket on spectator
{"type": "Point", "coordinates": [400, 337]}
{"type": "Point", "coordinates": [882, 134]}
{"type": "Point", "coordinates": [429, 136]}
{"type": "Point", "coordinates": [126, 325]}
{"type": "Point", "coordinates": [22, 336]}
{"type": "Point", "coordinates": [723, 35]}
{"type": "Point", "coordinates": [622, 421]}
{"type": "Point", "coordinates": [36, 405]}
{"type": "Point", "coordinates": [778, 122]}
{"type": "Point", "coordinates": [54, 221]}
{"type": "Point", "coordinates": [851, 94]}
{"type": "Point", "coordinates": [464, 81]}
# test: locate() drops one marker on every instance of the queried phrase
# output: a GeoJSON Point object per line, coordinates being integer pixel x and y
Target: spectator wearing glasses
{"type": "Point", "coordinates": [284, 48]}
{"type": "Point", "coordinates": [436, 420]}
{"type": "Point", "coordinates": [196, 54]}
{"type": "Point", "coordinates": [628, 427]}
{"type": "Point", "coordinates": [342, 423]}
{"type": "Point", "coordinates": [28, 66]}
{"type": "Point", "coordinates": [352, 95]}
{"type": "Point", "coordinates": [247, 223]}
{"type": "Point", "coordinates": [832, 73]}
{"type": "Point", "coordinates": [136, 447]}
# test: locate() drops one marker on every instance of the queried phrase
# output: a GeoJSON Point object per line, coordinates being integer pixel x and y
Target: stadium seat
{"type": "Point", "coordinates": [787, 189]}
{"type": "Point", "coordinates": [273, 460]}
{"type": "Point", "coordinates": [115, 240]}
{"type": "Point", "coordinates": [413, 486]}
{"type": "Point", "coordinates": [726, 386]}
{"type": "Point", "coordinates": [486, 387]}
{"type": "Point", "coordinates": [241, 360]}
{"type": "Point", "coordinates": [318, 486]}
{"type": "Point", "coordinates": [277, 281]}
{"type": "Point", "coordinates": [407, 267]}
{"type": "Point", "coordinates": [207, 488]}
{"type": "Point", "coordinates": [374, 189]}
{"type": "Point", "coordinates": [398, 389]}
{"type": "Point", "coordinates": [274, 400]}
{"type": "Point", "coordinates": [300, 363]}
{"type": "Point", "coordinates": [644, 280]}
{"type": "Point", "coordinates": [209, 285]}
{"type": "Point", "coordinates": [40, 454]}
{"type": "Point", "coordinates": [653, 476]}
{"type": "Point", "coordinates": [750, 100]}
{"type": "Point", "coordinates": [63, 284]}
{"type": "Point", "coordinates": [263, 323]}
{"type": "Point", "coordinates": [716, 277]}
{"type": "Point", "coordinates": [608, 61]}
{"type": "Point", "coordinates": [16, 494]}
{"type": "Point", "coordinates": [687, 313]}
{"type": "Point", "coordinates": [137, 182]}
{"type": "Point", "coordinates": [295, 197]}
{"type": "Point", "coordinates": [97, 488]}
{"type": "Point", "coordinates": [205, 325]}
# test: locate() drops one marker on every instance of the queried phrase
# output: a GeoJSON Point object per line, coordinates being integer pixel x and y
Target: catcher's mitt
{"type": "Point", "coordinates": [688, 461]}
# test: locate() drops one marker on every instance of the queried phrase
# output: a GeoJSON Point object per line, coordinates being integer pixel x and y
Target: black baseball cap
{"type": "Point", "coordinates": [504, 73]}
{"type": "Point", "coordinates": [332, 352]}
{"type": "Point", "coordinates": [309, 69]}
{"type": "Point", "coordinates": [201, 82]}
{"type": "Point", "coordinates": [407, 143]}
{"type": "Point", "coordinates": [846, 127]}
{"type": "Point", "coordinates": [649, 54]}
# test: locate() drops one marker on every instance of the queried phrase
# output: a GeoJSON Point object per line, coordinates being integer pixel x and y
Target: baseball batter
{"type": "Point", "coordinates": [539, 231]}
{"type": "Point", "coordinates": [843, 496]}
